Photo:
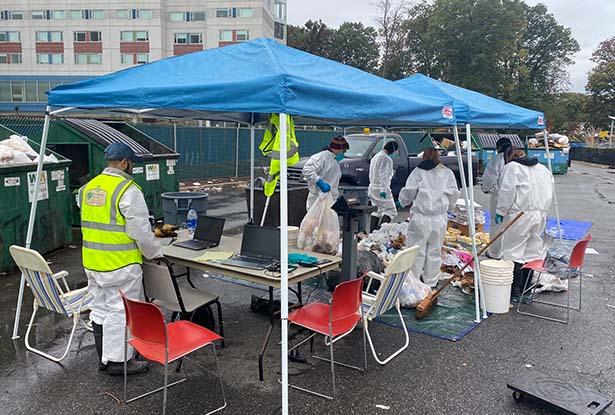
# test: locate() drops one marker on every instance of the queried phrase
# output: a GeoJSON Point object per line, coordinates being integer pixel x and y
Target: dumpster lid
{"type": "Point", "coordinates": [105, 135]}
{"type": "Point", "coordinates": [488, 140]}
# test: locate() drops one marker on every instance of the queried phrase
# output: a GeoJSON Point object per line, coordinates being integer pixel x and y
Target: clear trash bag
{"type": "Point", "coordinates": [320, 228]}
{"type": "Point", "coordinates": [413, 291]}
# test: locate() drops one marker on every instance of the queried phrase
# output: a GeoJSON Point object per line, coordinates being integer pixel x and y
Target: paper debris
{"type": "Point", "coordinates": [383, 407]}
{"type": "Point", "coordinates": [591, 251]}
{"type": "Point", "coordinates": [529, 365]}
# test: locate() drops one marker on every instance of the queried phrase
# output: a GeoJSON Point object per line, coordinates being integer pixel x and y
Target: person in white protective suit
{"type": "Point", "coordinates": [432, 191]}
{"type": "Point", "coordinates": [322, 171]}
{"type": "Point", "coordinates": [491, 185]}
{"type": "Point", "coordinates": [381, 171]}
{"type": "Point", "coordinates": [116, 235]}
{"type": "Point", "coordinates": [525, 186]}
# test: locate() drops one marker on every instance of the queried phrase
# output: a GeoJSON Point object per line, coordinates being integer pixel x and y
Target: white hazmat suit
{"type": "Point", "coordinates": [491, 185]}
{"type": "Point", "coordinates": [381, 173]}
{"type": "Point", "coordinates": [107, 308]}
{"type": "Point", "coordinates": [322, 166]}
{"type": "Point", "coordinates": [433, 193]}
{"type": "Point", "coordinates": [528, 189]}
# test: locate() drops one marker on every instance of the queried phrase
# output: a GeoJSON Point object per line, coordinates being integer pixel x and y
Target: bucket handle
{"type": "Point", "coordinates": [187, 207]}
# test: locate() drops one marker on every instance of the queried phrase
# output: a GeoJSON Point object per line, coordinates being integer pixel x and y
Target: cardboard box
{"type": "Point", "coordinates": [464, 228]}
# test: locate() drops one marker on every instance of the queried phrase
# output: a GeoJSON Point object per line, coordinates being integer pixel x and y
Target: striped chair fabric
{"type": "Point", "coordinates": [386, 296]}
{"type": "Point", "coordinates": [46, 293]}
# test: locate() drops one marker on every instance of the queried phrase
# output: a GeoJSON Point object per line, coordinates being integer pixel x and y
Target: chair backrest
{"type": "Point", "coordinates": [346, 299]}
{"type": "Point", "coordinates": [577, 257]}
{"type": "Point", "coordinates": [45, 289]}
{"type": "Point", "coordinates": [145, 321]}
{"type": "Point", "coordinates": [389, 289]}
{"type": "Point", "coordinates": [159, 283]}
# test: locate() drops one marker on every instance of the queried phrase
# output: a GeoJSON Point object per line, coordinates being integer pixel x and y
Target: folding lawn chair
{"type": "Point", "coordinates": [161, 286]}
{"type": "Point", "coordinates": [575, 267]}
{"type": "Point", "coordinates": [164, 344]}
{"type": "Point", "coordinates": [49, 294]}
{"type": "Point", "coordinates": [387, 296]}
{"type": "Point", "coordinates": [334, 321]}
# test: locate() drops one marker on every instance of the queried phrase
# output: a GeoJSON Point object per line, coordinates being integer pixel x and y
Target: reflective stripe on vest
{"type": "Point", "coordinates": [106, 246]}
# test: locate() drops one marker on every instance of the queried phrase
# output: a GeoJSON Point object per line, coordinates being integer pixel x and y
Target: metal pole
{"type": "Point", "coordinates": [284, 259]}
{"type": "Point", "coordinates": [548, 155]}
{"type": "Point", "coordinates": [175, 137]}
{"type": "Point", "coordinates": [237, 152]}
{"type": "Point", "coordinates": [611, 136]}
{"type": "Point", "coordinates": [478, 284]}
{"type": "Point", "coordinates": [458, 152]}
{"type": "Point", "coordinates": [252, 171]}
{"type": "Point", "coordinates": [31, 220]}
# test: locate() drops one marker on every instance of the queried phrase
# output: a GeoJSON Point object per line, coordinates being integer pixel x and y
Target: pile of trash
{"type": "Point", "coordinates": [387, 241]}
{"type": "Point", "coordinates": [460, 213]}
{"type": "Point", "coordinates": [555, 140]}
{"type": "Point", "coordinates": [16, 150]}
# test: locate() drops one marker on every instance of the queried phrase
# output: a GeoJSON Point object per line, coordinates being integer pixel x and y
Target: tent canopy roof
{"type": "Point", "coordinates": [475, 108]}
{"type": "Point", "coordinates": [247, 80]}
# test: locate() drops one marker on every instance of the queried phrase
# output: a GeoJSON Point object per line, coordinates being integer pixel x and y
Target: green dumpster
{"type": "Point", "coordinates": [52, 228]}
{"type": "Point", "coordinates": [84, 141]}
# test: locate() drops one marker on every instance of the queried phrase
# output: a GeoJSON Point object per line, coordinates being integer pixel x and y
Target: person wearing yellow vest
{"type": "Point", "coordinates": [270, 147]}
{"type": "Point", "coordinates": [116, 236]}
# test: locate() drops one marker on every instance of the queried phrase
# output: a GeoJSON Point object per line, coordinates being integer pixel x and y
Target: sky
{"type": "Point", "coordinates": [591, 21]}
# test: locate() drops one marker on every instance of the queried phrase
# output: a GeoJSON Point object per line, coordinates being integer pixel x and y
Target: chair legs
{"type": "Point", "coordinates": [220, 322]}
{"type": "Point", "coordinates": [76, 318]}
{"type": "Point", "coordinates": [166, 385]}
{"type": "Point", "coordinates": [532, 290]}
{"type": "Point", "coordinates": [371, 344]}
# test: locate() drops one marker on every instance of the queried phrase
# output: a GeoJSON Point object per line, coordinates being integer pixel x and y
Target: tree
{"type": "Point", "coordinates": [391, 17]}
{"type": "Point", "coordinates": [601, 84]}
{"type": "Point", "coordinates": [314, 37]}
{"type": "Point", "coordinates": [355, 45]}
{"type": "Point", "coordinates": [566, 110]}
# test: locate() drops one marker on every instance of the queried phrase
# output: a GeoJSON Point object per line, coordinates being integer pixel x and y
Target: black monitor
{"type": "Point", "coordinates": [261, 242]}
{"type": "Point", "coordinates": [209, 229]}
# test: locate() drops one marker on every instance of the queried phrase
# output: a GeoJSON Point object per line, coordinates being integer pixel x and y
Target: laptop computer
{"type": "Point", "coordinates": [260, 248]}
{"type": "Point", "coordinates": [206, 235]}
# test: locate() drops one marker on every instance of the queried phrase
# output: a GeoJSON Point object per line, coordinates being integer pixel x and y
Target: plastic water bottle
{"type": "Point", "coordinates": [191, 221]}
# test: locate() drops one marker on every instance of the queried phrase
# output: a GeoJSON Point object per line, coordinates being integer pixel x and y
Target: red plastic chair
{"type": "Point", "coordinates": [334, 321]}
{"type": "Point", "coordinates": [575, 265]}
{"type": "Point", "coordinates": [164, 343]}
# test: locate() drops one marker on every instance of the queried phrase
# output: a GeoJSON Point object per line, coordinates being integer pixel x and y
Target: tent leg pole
{"type": "Point", "coordinates": [478, 284]}
{"type": "Point", "coordinates": [252, 172]}
{"type": "Point", "coordinates": [175, 137]}
{"type": "Point", "coordinates": [237, 151]}
{"type": "Point", "coordinates": [265, 210]}
{"type": "Point", "coordinates": [548, 154]}
{"type": "Point", "coordinates": [464, 186]}
{"type": "Point", "coordinates": [284, 259]}
{"type": "Point", "coordinates": [37, 182]}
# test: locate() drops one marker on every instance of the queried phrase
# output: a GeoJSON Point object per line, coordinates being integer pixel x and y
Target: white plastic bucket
{"type": "Point", "coordinates": [497, 277]}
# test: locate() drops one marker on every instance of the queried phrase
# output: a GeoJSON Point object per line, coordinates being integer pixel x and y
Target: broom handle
{"type": "Point", "coordinates": [457, 273]}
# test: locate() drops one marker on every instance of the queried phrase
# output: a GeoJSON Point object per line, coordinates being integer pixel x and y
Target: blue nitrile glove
{"type": "Point", "coordinates": [323, 186]}
{"type": "Point", "coordinates": [383, 195]}
{"type": "Point", "coordinates": [499, 219]}
{"type": "Point", "coordinates": [398, 205]}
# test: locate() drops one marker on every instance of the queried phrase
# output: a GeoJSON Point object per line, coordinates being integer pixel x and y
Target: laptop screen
{"type": "Point", "coordinates": [261, 242]}
{"type": "Point", "coordinates": [209, 229]}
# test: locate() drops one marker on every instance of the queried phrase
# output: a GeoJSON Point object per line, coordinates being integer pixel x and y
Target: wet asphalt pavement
{"type": "Point", "coordinates": [431, 377]}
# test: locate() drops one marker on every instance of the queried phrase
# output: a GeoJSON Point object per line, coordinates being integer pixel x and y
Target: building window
{"type": "Point", "coordinates": [242, 35]}
{"type": "Point", "coordinates": [88, 36]}
{"type": "Point", "coordinates": [48, 14]}
{"type": "Point", "coordinates": [49, 58]}
{"type": "Point", "coordinates": [86, 14]}
{"type": "Point", "coordinates": [142, 58]}
{"type": "Point", "coordinates": [31, 92]}
{"type": "Point", "coordinates": [43, 86]}
{"type": "Point", "coordinates": [279, 30]}
{"type": "Point", "coordinates": [226, 35]}
{"type": "Point", "coordinates": [17, 91]}
{"type": "Point", "coordinates": [10, 37]}
{"type": "Point", "coordinates": [10, 58]}
{"type": "Point", "coordinates": [134, 14]}
{"type": "Point", "coordinates": [235, 12]}
{"type": "Point", "coordinates": [5, 91]}
{"type": "Point", "coordinates": [134, 58]}
{"type": "Point", "coordinates": [187, 16]}
{"type": "Point", "coordinates": [88, 58]}
{"type": "Point", "coordinates": [188, 38]}
{"type": "Point", "coordinates": [11, 15]}
{"type": "Point", "coordinates": [49, 37]}
{"type": "Point", "coordinates": [279, 10]}
{"type": "Point", "coordinates": [134, 36]}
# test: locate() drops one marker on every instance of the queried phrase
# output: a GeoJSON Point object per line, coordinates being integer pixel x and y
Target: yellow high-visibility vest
{"type": "Point", "coordinates": [106, 246]}
{"type": "Point", "coordinates": [270, 147]}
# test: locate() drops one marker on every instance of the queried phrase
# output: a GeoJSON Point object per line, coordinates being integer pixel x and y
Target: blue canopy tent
{"type": "Point", "coordinates": [244, 83]}
{"type": "Point", "coordinates": [474, 108]}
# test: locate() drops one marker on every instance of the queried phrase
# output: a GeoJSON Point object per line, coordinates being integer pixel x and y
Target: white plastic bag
{"type": "Point", "coordinates": [320, 228]}
{"type": "Point", "coordinates": [413, 291]}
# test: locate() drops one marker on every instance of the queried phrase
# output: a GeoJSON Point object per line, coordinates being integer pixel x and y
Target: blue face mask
{"type": "Point", "coordinates": [339, 156]}
{"type": "Point", "coordinates": [394, 156]}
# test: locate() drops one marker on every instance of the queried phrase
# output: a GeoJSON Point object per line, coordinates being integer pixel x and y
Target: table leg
{"type": "Point", "coordinates": [299, 293]}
